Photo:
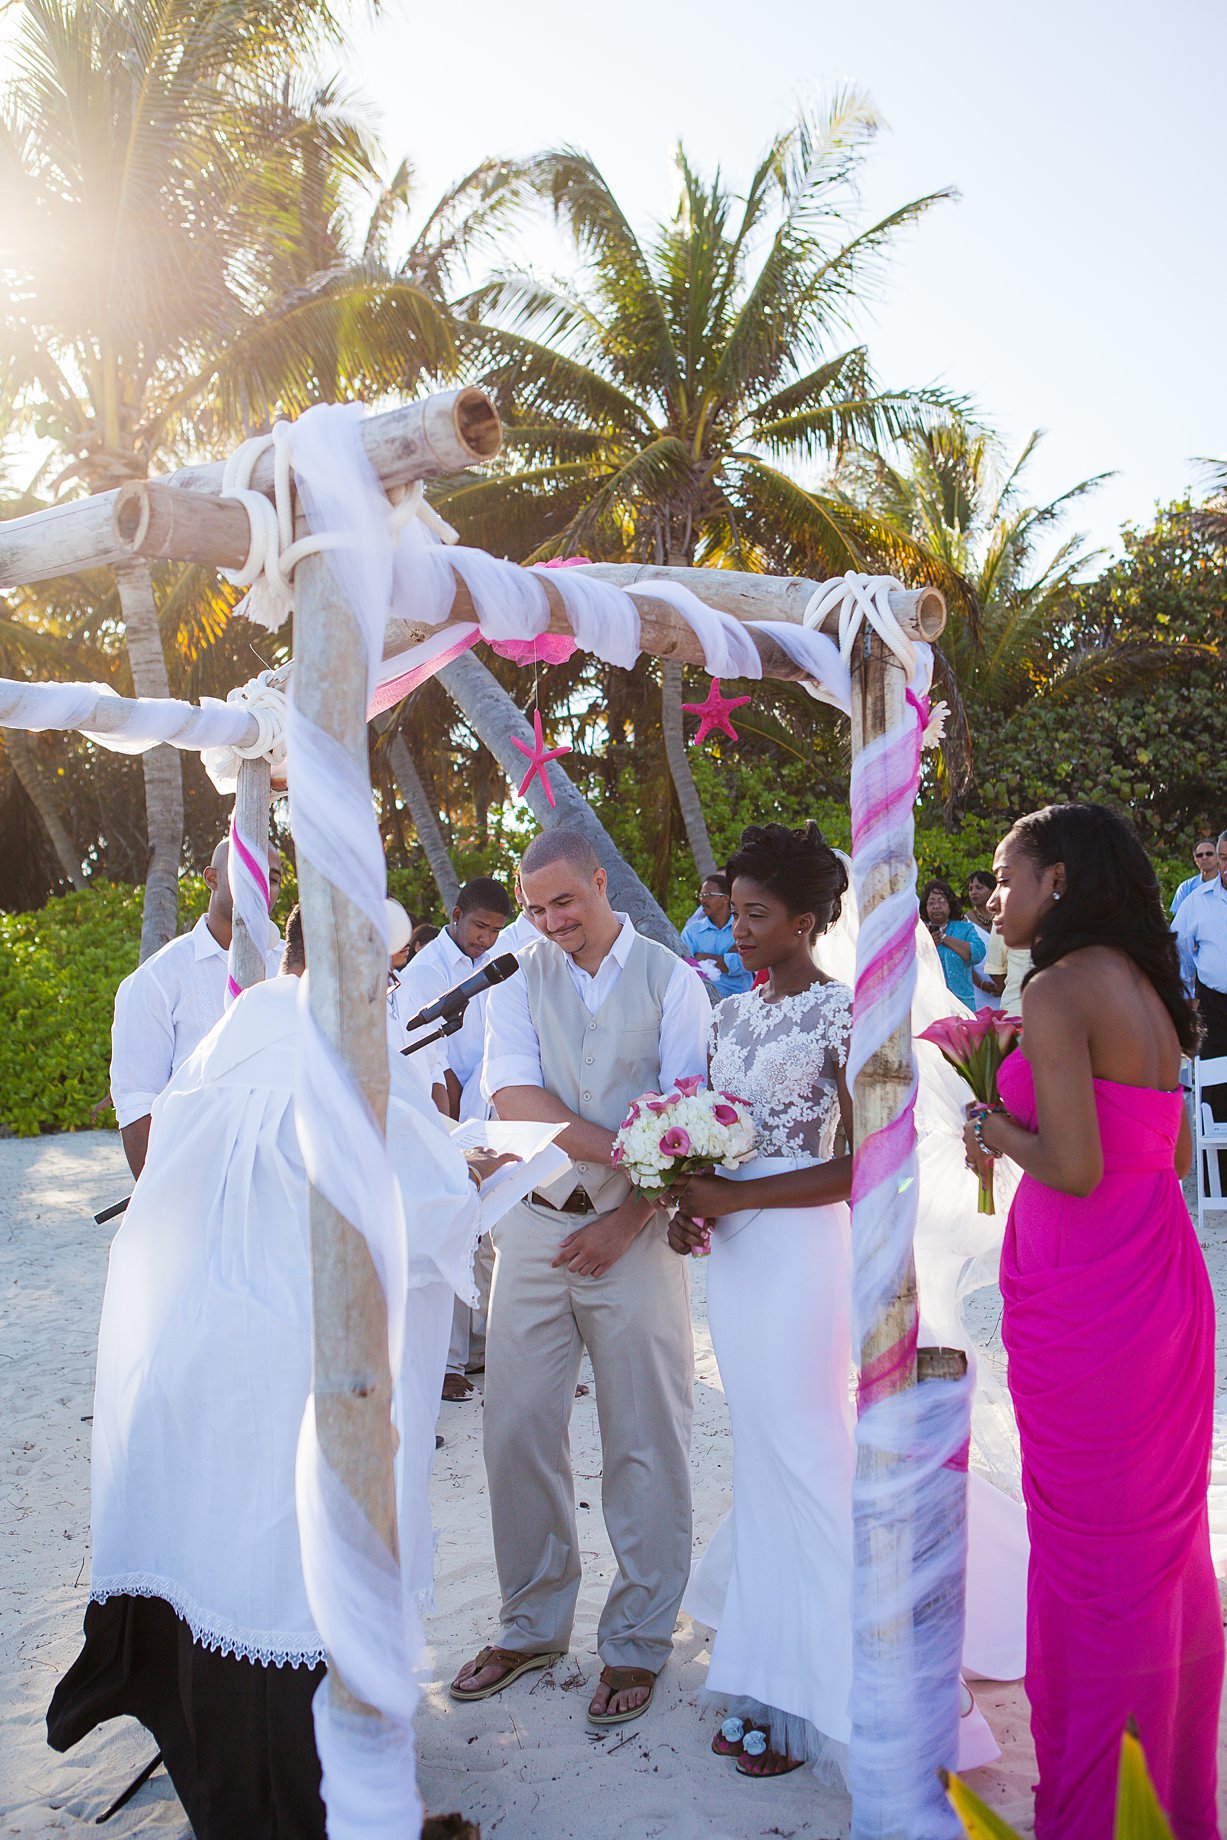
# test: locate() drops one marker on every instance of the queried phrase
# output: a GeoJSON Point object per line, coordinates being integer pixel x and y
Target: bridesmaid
{"type": "Point", "coordinates": [1109, 1328]}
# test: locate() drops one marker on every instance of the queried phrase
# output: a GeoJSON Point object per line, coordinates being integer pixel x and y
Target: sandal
{"type": "Point", "coordinates": [731, 1736]}
{"type": "Point", "coordinates": [457, 1387]}
{"type": "Point", "coordinates": [618, 1680]}
{"type": "Point", "coordinates": [755, 1749]}
{"type": "Point", "coordinates": [513, 1661]}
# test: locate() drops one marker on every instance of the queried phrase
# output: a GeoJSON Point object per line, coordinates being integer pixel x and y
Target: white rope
{"type": "Point", "coordinates": [860, 600]}
{"type": "Point", "coordinates": [272, 554]}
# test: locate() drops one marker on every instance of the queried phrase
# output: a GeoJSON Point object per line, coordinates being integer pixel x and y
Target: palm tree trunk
{"type": "Point", "coordinates": [494, 719]}
{"type": "Point", "coordinates": [679, 767]}
{"type": "Point", "coordinates": [162, 767]}
{"type": "Point", "coordinates": [30, 775]}
{"type": "Point", "coordinates": [425, 820]}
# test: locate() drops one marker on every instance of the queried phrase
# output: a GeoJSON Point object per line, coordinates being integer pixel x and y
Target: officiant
{"type": "Point", "coordinates": [598, 1016]}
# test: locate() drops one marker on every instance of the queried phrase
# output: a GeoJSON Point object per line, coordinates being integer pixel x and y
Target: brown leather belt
{"type": "Point", "coordinates": [577, 1202]}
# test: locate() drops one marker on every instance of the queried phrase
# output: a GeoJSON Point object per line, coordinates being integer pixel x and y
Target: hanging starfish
{"type": "Point", "coordinates": [538, 756]}
{"type": "Point", "coordinates": [714, 713]}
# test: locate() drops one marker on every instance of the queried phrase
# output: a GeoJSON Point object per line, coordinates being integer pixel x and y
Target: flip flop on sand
{"type": "Point", "coordinates": [457, 1387]}
{"type": "Point", "coordinates": [617, 1680]}
{"type": "Point", "coordinates": [513, 1662]}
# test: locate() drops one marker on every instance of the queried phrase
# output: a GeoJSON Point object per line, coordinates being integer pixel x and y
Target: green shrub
{"type": "Point", "coordinates": [59, 971]}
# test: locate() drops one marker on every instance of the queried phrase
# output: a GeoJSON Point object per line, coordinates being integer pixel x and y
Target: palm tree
{"type": "Point", "coordinates": [1019, 636]}
{"type": "Point", "coordinates": [652, 409]}
{"type": "Point", "coordinates": [153, 161]}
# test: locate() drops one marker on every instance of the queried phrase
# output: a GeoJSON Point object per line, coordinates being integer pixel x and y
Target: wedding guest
{"type": "Point", "coordinates": [421, 936]}
{"type": "Point", "coordinates": [164, 1010]}
{"type": "Point", "coordinates": [400, 934]}
{"type": "Point", "coordinates": [708, 937]}
{"type": "Point", "coordinates": [958, 942]}
{"type": "Point", "coordinates": [1004, 969]}
{"type": "Point", "coordinates": [521, 932]}
{"type": "Point", "coordinates": [598, 1016]}
{"type": "Point", "coordinates": [1109, 1327]}
{"type": "Point", "coordinates": [980, 885]}
{"type": "Point", "coordinates": [1201, 939]}
{"type": "Point", "coordinates": [468, 941]}
{"type": "Point", "coordinates": [1205, 857]}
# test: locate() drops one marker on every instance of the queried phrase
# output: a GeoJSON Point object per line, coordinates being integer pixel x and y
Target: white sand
{"type": "Point", "coordinates": [523, 1764]}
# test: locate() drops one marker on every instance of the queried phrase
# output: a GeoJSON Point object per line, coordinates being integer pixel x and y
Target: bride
{"type": "Point", "coordinates": [778, 1300]}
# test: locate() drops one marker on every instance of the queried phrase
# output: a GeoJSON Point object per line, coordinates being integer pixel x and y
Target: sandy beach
{"type": "Point", "coordinates": [524, 1764]}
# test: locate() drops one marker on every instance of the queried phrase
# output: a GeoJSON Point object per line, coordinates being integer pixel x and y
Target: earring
{"type": "Point", "coordinates": [1056, 894]}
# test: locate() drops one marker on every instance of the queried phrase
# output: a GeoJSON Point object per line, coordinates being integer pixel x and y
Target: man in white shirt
{"type": "Point", "coordinates": [1004, 969]}
{"type": "Point", "coordinates": [1200, 927]}
{"type": "Point", "coordinates": [522, 930]}
{"type": "Point", "coordinates": [164, 1010]}
{"type": "Point", "coordinates": [597, 1016]}
{"type": "Point", "coordinates": [466, 944]}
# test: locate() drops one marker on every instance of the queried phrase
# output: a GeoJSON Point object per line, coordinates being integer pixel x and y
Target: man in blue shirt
{"type": "Point", "coordinates": [1205, 855]}
{"type": "Point", "coordinates": [708, 937]}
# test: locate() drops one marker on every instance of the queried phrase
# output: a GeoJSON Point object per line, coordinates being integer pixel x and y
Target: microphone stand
{"type": "Point", "coordinates": [450, 1027]}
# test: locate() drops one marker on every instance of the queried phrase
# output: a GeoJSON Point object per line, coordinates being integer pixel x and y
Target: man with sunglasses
{"type": "Point", "coordinates": [1206, 858]}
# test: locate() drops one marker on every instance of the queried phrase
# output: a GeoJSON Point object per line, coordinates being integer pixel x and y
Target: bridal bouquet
{"type": "Point", "coordinates": [975, 1047]}
{"type": "Point", "coordinates": [686, 1132]}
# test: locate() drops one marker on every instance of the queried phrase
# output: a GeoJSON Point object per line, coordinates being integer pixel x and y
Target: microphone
{"type": "Point", "coordinates": [453, 1001]}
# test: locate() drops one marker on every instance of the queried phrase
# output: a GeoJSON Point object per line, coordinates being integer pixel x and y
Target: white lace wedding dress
{"type": "Point", "coordinates": [778, 1302]}
{"type": "Point", "coordinates": [775, 1583]}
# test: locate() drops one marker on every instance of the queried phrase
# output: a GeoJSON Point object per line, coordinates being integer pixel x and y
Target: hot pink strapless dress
{"type": "Point", "coordinates": [1109, 1327]}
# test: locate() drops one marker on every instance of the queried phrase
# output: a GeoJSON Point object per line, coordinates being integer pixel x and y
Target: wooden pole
{"type": "Point", "coordinates": [883, 1549]}
{"type": "Point", "coordinates": [347, 984]}
{"type": "Point", "coordinates": [419, 440]}
{"type": "Point", "coordinates": [158, 520]}
{"type": "Point", "coordinates": [251, 802]}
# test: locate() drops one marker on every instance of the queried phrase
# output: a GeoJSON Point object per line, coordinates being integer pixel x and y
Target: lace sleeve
{"type": "Point", "coordinates": [839, 1022]}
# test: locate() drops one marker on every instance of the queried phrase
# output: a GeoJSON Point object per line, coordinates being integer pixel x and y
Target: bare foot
{"type": "Point", "coordinates": [457, 1387]}
{"type": "Point", "coordinates": [612, 1699]}
{"type": "Point", "coordinates": [767, 1763]}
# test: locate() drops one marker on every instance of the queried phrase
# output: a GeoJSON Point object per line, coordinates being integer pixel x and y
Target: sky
{"type": "Point", "coordinates": [1076, 286]}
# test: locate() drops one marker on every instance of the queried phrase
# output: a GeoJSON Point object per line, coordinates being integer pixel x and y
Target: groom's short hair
{"type": "Point", "coordinates": [560, 846]}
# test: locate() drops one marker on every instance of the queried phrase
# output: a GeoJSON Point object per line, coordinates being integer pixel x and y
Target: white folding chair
{"type": "Point", "coordinates": [1209, 1135]}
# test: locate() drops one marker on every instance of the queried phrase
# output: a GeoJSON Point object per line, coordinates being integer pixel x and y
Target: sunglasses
{"type": "Point", "coordinates": [1198, 853]}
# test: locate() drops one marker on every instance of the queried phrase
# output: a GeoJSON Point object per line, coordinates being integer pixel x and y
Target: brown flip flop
{"type": "Point", "coordinates": [513, 1661]}
{"type": "Point", "coordinates": [618, 1680]}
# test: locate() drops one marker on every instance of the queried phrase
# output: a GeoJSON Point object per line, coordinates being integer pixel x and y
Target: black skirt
{"type": "Point", "coordinates": [236, 1736]}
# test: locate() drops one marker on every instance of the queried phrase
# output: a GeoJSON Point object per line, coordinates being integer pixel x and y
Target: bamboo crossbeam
{"type": "Point", "coordinates": [160, 521]}
{"type": "Point", "coordinates": [440, 434]}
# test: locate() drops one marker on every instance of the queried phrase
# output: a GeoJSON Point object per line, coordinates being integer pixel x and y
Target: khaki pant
{"type": "Point", "coordinates": [635, 1324]}
{"type": "Point", "coordinates": [466, 1350]}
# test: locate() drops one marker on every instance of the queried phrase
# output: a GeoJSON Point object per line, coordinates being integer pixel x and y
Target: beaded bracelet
{"type": "Point", "coordinates": [977, 1130]}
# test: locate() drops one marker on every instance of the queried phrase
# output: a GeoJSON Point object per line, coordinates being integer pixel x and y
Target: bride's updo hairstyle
{"type": "Point", "coordinates": [797, 866]}
{"type": "Point", "coordinates": [1110, 898]}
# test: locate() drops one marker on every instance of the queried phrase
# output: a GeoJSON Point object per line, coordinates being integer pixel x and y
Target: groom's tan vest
{"type": "Point", "coordinates": [597, 1064]}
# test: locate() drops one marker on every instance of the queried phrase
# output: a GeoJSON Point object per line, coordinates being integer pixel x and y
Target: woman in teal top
{"type": "Point", "coordinates": [958, 942]}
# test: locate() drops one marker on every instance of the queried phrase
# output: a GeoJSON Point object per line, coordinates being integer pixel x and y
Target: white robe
{"type": "Point", "coordinates": [204, 1351]}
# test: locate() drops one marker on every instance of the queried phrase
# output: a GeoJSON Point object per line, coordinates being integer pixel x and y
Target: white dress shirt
{"type": "Point", "coordinates": [1200, 927]}
{"type": "Point", "coordinates": [436, 969]}
{"type": "Point", "coordinates": [513, 1052]}
{"type": "Point", "coordinates": [163, 1011]}
{"type": "Point", "coordinates": [520, 933]}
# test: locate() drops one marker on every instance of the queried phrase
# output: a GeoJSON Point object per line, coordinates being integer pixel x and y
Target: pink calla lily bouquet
{"type": "Point", "coordinates": [688, 1131]}
{"type": "Point", "coordinates": [975, 1047]}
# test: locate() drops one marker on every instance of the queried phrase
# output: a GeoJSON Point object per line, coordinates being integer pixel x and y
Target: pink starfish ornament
{"type": "Point", "coordinates": [714, 714]}
{"type": "Point", "coordinates": [538, 757]}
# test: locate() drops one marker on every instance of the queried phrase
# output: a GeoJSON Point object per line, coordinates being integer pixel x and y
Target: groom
{"type": "Point", "coordinates": [599, 1016]}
